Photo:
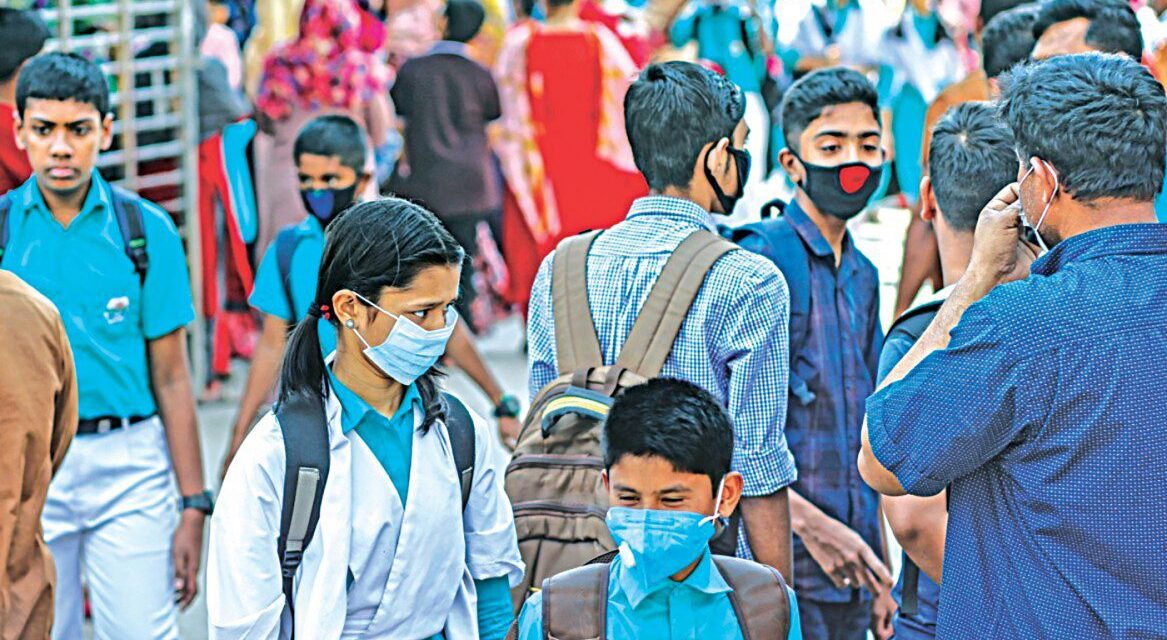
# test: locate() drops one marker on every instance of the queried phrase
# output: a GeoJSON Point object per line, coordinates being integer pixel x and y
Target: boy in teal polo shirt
{"type": "Point", "coordinates": [112, 511]}
{"type": "Point", "coordinates": [667, 450]}
{"type": "Point", "coordinates": [330, 154]}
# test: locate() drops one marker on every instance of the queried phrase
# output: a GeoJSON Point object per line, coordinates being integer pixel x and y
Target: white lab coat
{"type": "Point", "coordinates": [859, 41]}
{"type": "Point", "coordinates": [413, 569]}
{"type": "Point", "coordinates": [928, 69]}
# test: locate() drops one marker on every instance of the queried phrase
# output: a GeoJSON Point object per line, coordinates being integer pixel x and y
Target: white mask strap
{"type": "Point", "coordinates": [717, 505]}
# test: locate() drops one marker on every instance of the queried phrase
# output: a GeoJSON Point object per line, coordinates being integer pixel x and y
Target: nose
{"type": "Point", "coordinates": [59, 145]}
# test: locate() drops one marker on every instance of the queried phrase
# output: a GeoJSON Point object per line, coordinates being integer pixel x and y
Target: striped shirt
{"type": "Point", "coordinates": [734, 342]}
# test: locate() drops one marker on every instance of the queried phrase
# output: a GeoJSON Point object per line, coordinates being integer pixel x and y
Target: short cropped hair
{"type": "Point", "coordinates": [23, 34]}
{"type": "Point", "coordinates": [806, 99]}
{"type": "Point", "coordinates": [674, 420]}
{"type": "Point", "coordinates": [991, 8]}
{"type": "Point", "coordinates": [1008, 39]}
{"type": "Point", "coordinates": [1114, 28]}
{"type": "Point", "coordinates": [1099, 119]}
{"type": "Point", "coordinates": [671, 112]}
{"type": "Point", "coordinates": [333, 135]}
{"type": "Point", "coordinates": [464, 19]}
{"type": "Point", "coordinates": [63, 77]}
{"type": "Point", "coordinates": [970, 160]}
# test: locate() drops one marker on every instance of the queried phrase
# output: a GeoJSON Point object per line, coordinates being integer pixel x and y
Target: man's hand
{"type": "Point", "coordinates": [999, 253]}
{"type": "Point", "coordinates": [508, 431]}
{"type": "Point", "coordinates": [883, 611]}
{"type": "Point", "coordinates": [187, 548]}
{"type": "Point", "coordinates": [846, 559]}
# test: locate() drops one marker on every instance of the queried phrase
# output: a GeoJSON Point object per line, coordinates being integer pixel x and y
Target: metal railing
{"type": "Point", "coordinates": [148, 51]}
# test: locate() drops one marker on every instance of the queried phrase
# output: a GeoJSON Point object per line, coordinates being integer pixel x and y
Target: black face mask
{"type": "Point", "coordinates": [742, 160]}
{"type": "Point", "coordinates": [324, 204]}
{"type": "Point", "coordinates": [841, 191]}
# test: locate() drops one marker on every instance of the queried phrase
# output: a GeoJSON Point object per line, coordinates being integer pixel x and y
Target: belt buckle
{"type": "Point", "coordinates": [105, 425]}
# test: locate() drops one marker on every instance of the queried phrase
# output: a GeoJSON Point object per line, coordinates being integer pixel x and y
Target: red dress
{"type": "Point", "coordinates": [563, 85]}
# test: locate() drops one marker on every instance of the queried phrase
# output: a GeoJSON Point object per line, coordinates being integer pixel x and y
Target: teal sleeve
{"type": "Point", "coordinates": [531, 619]}
{"type": "Point", "coordinates": [795, 619]}
{"type": "Point", "coordinates": [268, 294]}
{"type": "Point", "coordinates": [885, 86]}
{"type": "Point", "coordinates": [682, 32]}
{"type": "Point", "coordinates": [166, 297]}
{"type": "Point", "coordinates": [495, 612]}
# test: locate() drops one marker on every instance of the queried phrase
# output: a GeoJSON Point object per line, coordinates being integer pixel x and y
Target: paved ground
{"type": "Point", "coordinates": [879, 237]}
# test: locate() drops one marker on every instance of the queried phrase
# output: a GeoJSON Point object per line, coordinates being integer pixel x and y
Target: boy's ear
{"type": "Point", "coordinates": [731, 493]}
{"type": "Point", "coordinates": [604, 476]}
{"type": "Point", "coordinates": [362, 184]}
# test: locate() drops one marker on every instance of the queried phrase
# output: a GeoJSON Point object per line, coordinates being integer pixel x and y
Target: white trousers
{"type": "Point", "coordinates": [109, 518]}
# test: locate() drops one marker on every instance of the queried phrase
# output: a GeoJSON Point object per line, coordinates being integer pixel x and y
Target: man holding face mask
{"type": "Point", "coordinates": [1039, 401]}
{"type": "Point", "coordinates": [830, 119]}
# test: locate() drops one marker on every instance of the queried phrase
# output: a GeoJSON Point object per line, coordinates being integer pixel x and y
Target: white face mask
{"type": "Point", "coordinates": [1025, 220]}
{"type": "Point", "coordinates": [409, 350]}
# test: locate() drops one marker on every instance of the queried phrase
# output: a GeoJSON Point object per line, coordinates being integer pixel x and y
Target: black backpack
{"type": "Point", "coordinates": [129, 217]}
{"type": "Point", "coordinates": [304, 427]}
{"type": "Point", "coordinates": [912, 324]}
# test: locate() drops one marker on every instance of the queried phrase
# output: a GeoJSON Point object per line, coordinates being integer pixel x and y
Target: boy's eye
{"type": "Point", "coordinates": [420, 315]}
{"type": "Point", "coordinates": [672, 502]}
{"type": "Point", "coordinates": [82, 130]}
{"type": "Point", "coordinates": [41, 130]}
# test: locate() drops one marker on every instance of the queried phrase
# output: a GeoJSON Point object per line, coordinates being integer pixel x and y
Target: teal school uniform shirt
{"type": "Point", "coordinates": [391, 441]}
{"type": "Point", "coordinates": [268, 295]}
{"type": "Point", "coordinates": [109, 314]}
{"type": "Point", "coordinates": [697, 607]}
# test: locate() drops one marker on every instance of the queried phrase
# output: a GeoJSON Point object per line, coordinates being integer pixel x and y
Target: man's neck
{"type": "Point", "coordinates": [834, 229]}
{"type": "Point", "coordinates": [1106, 212]}
{"type": "Point", "coordinates": [682, 194]}
{"type": "Point", "coordinates": [955, 253]}
{"type": "Point", "coordinates": [66, 207]}
{"type": "Point", "coordinates": [681, 575]}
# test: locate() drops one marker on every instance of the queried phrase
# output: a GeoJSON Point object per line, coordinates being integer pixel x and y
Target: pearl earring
{"type": "Point", "coordinates": [349, 323]}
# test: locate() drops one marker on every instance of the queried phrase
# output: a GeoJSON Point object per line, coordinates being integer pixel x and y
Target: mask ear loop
{"type": "Point", "coordinates": [716, 515]}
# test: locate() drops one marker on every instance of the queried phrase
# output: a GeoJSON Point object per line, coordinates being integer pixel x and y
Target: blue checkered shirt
{"type": "Point", "coordinates": [734, 341]}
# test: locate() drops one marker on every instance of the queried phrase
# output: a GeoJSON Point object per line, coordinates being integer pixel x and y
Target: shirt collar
{"type": "Point", "coordinates": [98, 196]}
{"type": "Point", "coordinates": [311, 227]}
{"type": "Point", "coordinates": [705, 578]}
{"type": "Point", "coordinates": [678, 208]}
{"type": "Point", "coordinates": [810, 233]}
{"type": "Point", "coordinates": [1122, 239]}
{"type": "Point", "coordinates": [354, 409]}
{"type": "Point", "coordinates": [449, 47]}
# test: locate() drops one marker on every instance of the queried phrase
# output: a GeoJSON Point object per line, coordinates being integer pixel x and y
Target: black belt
{"type": "Point", "coordinates": [105, 424]}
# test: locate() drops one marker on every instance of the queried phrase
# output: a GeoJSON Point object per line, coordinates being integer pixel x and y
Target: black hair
{"type": "Point", "coordinates": [990, 8]}
{"type": "Point", "coordinates": [971, 159]}
{"type": "Point", "coordinates": [1008, 39]}
{"type": "Point", "coordinates": [1114, 28]}
{"type": "Point", "coordinates": [806, 99]}
{"type": "Point", "coordinates": [62, 76]}
{"type": "Point", "coordinates": [671, 112]}
{"type": "Point", "coordinates": [384, 243]}
{"type": "Point", "coordinates": [464, 19]}
{"type": "Point", "coordinates": [1099, 119]}
{"type": "Point", "coordinates": [671, 419]}
{"type": "Point", "coordinates": [24, 35]}
{"type": "Point", "coordinates": [333, 135]}
{"type": "Point", "coordinates": [558, 3]}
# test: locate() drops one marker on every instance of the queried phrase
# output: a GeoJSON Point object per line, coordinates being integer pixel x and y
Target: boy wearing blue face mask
{"type": "Point", "coordinates": [667, 450]}
{"type": "Point", "coordinates": [831, 121]}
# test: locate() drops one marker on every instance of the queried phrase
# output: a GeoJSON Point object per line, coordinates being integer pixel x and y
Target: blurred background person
{"type": "Point", "coordinates": [324, 70]}
{"type": "Point", "coordinates": [23, 34]}
{"type": "Point", "coordinates": [561, 140]}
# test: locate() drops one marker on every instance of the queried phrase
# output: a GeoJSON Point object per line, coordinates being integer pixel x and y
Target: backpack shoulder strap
{"type": "Point", "coordinates": [287, 240]}
{"type": "Point", "coordinates": [576, 344]}
{"type": "Point", "coordinates": [460, 426]}
{"type": "Point", "coordinates": [128, 209]}
{"type": "Point", "coordinates": [575, 604]}
{"type": "Point", "coordinates": [5, 207]}
{"type": "Point", "coordinates": [914, 322]}
{"type": "Point", "coordinates": [659, 321]}
{"type": "Point", "coordinates": [304, 427]}
{"type": "Point", "coordinates": [758, 597]}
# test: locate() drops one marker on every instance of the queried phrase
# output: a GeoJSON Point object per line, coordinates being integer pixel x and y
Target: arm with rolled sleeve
{"type": "Point", "coordinates": [958, 409]}
{"type": "Point", "coordinates": [541, 332]}
{"type": "Point", "coordinates": [492, 550]}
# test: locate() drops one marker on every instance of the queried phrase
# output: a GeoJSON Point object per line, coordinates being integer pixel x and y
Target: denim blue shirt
{"type": "Point", "coordinates": [733, 334]}
{"type": "Point", "coordinates": [268, 294]}
{"type": "Point", "coordinates": [109, 313]}
{"type": "Point", "coordinates": [696, 607]}
{"type": "Point", "coordinates": [1046, 416]}
{"type": "Point", "coordinates": [835, 338]}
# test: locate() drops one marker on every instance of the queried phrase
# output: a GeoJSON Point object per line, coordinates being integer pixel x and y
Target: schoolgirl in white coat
{"type": "Point", "coordinates": [379, 566]}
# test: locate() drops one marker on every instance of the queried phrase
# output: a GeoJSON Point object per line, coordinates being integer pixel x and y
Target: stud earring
{"type": "Point", "coordinates": [349, 323]}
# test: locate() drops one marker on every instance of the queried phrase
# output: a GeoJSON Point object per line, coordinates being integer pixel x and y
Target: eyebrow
{"type": "Point", "coordinates": [677, 488]}
{"type": "Point", "coordinates": [843, 134]}
{"type": "Point", "coordinates": [67, 124]}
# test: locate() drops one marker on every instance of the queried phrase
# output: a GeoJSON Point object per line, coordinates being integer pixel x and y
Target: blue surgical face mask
{"type": "Point", "coordinates": [656, 544]}
{"type": "Point", "coordinates": [409, 350]}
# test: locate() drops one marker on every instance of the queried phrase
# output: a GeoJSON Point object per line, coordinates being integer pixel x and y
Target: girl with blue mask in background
{"type": "Point", "coordinates": [399, 550]}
